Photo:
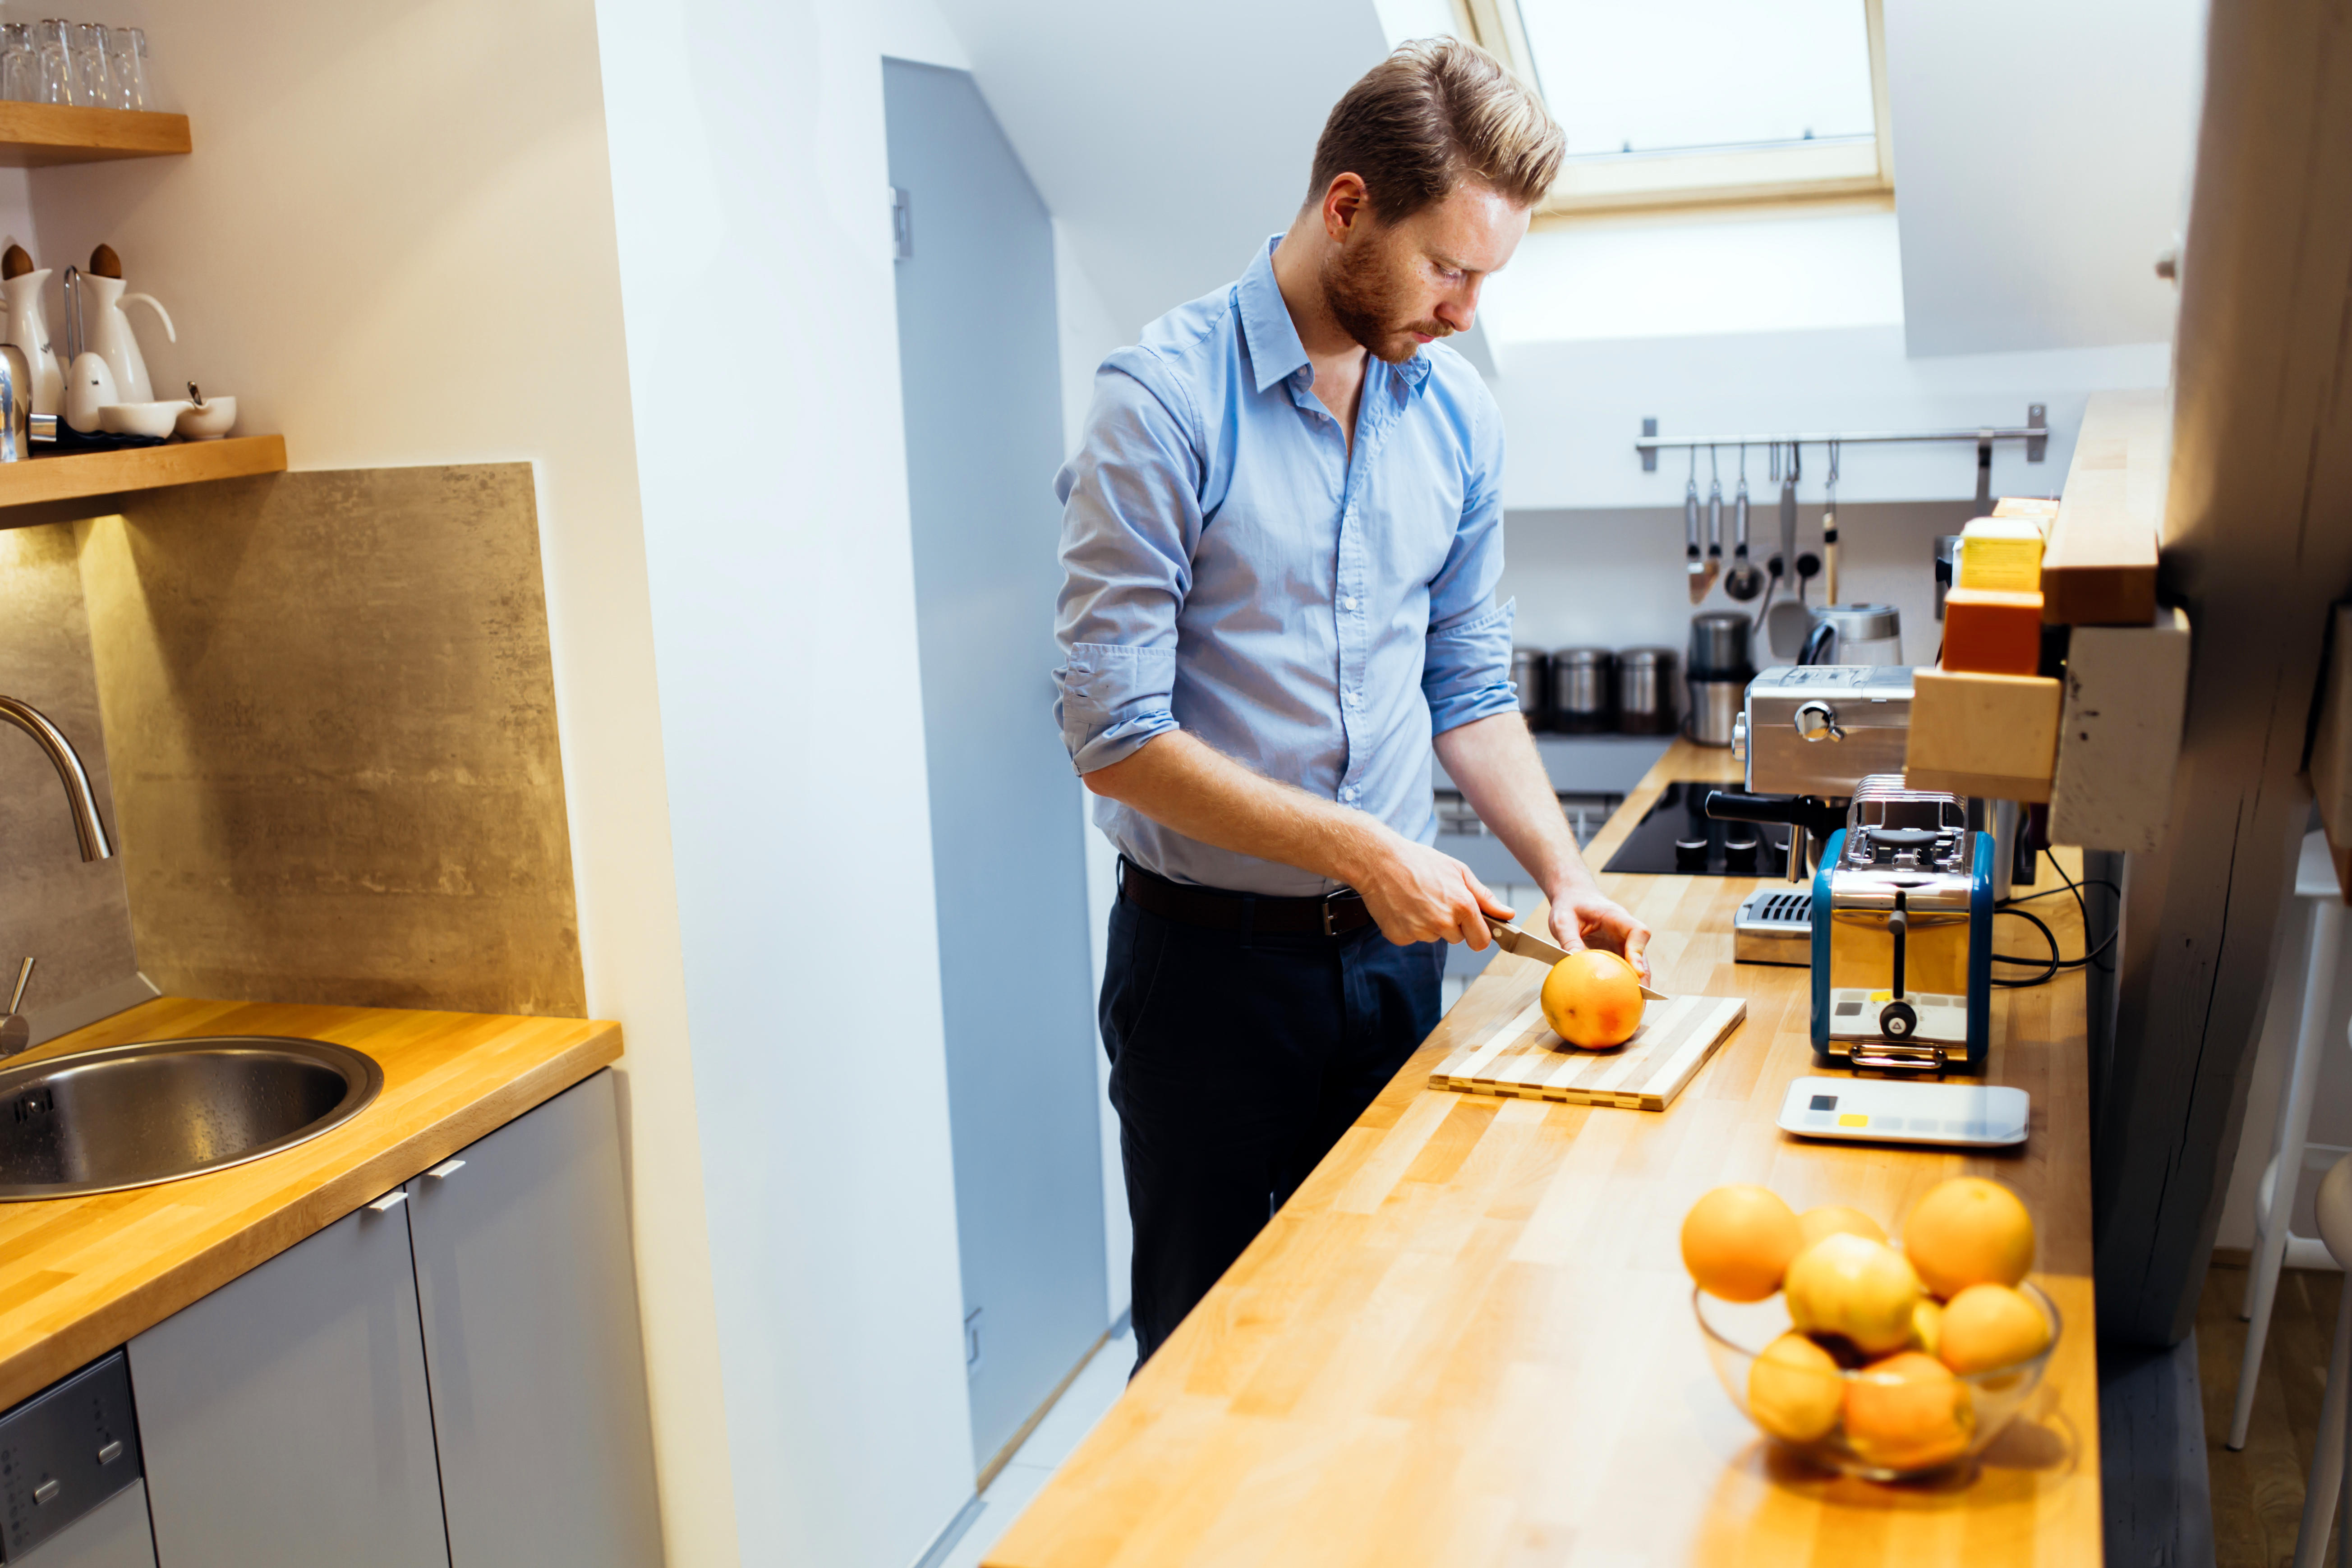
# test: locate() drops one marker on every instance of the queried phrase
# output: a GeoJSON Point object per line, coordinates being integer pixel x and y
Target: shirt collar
{"type": "Point", "coordinates": [1274, 350]}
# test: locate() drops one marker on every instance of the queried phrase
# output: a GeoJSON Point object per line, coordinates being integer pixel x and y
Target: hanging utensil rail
{"type": "Point", "coordinates": [2034, 433]}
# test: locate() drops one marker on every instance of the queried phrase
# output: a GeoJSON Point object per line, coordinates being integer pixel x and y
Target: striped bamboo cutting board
{"type": "Point", "coordinates": [1521, 1057]}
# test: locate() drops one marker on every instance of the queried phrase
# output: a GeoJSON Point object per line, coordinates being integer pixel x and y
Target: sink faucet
{"type": "Point", "coordinates": [80, 801]}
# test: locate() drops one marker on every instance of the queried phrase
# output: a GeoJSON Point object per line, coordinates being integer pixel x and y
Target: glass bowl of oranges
{"type": "Point", "coordinates": [1879, 1361]}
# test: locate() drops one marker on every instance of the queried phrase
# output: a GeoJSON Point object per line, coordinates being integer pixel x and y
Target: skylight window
{"type": "Point", "coordinates": [1684, 102]}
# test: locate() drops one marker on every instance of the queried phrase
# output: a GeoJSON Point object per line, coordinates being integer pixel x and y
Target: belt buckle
{"type": "Point", "coordinates": [1330, 899]}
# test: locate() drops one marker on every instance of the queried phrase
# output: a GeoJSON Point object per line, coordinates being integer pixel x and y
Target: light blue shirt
{"type": "Point", "coordinates": [1231, 570]}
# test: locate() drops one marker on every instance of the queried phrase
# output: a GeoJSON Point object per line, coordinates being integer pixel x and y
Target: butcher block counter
{"type": "Point", "coordinates": [1467, 1339]}
{"type": "Point", "coordinates": [80, 1275]}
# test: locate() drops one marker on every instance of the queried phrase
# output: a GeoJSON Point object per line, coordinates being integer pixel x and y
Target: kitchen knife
{"type": "Point", "coordinates": [1527, 944]}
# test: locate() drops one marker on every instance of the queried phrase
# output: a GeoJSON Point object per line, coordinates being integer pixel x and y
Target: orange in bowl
{"type": "Point", "coordinates": [1969, 1231]}
{"type": "Point", "coordinates": [1907, 1413]}
{"type": "Point", "coordinates": [1592, 999]}
{"type": "Point", "coordinates": [1736, 1242]}
{"type": "Point", "coordinates": [1987, 1326]}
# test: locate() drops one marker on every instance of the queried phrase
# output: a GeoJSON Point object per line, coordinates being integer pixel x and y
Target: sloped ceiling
{"type": "Point", "coordinates": [1168, 138]}
{"type": "Point", "coordinates": [2041, 159]}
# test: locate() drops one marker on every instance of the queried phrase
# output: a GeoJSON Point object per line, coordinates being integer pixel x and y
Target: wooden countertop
{"type": "Point", "coordinates": [1467, 1339]}
{"type": "Point", "coordinates": [80, 1275]}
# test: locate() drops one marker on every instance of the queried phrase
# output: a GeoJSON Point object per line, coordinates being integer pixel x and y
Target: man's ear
{"type": "Point", "coordinates": [1345, 204]}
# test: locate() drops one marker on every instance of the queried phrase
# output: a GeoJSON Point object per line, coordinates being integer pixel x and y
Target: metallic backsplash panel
{"type": "Point", "coordinates": [330, 710]}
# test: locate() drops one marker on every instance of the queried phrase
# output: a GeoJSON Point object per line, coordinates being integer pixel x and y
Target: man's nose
{"type": "Point", "coordinates": [1459, 309]}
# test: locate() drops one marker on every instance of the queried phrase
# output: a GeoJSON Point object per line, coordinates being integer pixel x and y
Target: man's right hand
{"type": "Point", "coordinates": [1418, 894]}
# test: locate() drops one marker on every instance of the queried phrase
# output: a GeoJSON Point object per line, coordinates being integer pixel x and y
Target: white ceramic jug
{"type": "Point", "coordinates": [28, 329]}
{"type": "Point", "coordinates": [108, 334]}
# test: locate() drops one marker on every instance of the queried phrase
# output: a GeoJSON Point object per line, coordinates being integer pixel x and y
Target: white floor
{"type": "Point", "coordinates": [1090, 1393]}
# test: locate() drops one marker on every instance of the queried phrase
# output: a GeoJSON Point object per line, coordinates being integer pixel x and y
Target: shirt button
{"type": "Point", "coordinates": [1349, 602]}
{"type": "Point", "coordinates": [1348, 794]}
{"type": "Point", "coordinates": [1355, 699]}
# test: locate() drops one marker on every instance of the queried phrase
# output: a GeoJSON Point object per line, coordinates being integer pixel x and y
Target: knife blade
{"type": "Point", "coordinates": [1528, 944]}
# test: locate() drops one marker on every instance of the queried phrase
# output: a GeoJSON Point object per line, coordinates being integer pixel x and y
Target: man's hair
{"type": "Point", "coordinates": [1436, 112]}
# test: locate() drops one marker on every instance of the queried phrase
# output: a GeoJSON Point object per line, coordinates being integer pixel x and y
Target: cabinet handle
{"type": "Point", "coordinates": [446, 1169]}
{"type": "Point", "coordinates": [389, 1200]}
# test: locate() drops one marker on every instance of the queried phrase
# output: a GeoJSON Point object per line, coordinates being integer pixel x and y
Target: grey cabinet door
{"type": "Point", "coordinates": [284, 1417]}
{"type": "Point", "coordinates": [114, 1534]}
{"type": "Point", "coordinates": [529, 1301]}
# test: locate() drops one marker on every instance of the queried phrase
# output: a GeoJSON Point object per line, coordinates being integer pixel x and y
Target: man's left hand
{"type": "Point", "coordinates": [1589, 919]}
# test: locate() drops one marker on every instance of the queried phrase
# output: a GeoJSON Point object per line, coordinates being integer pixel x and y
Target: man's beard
{"type": "Point", "coordinates": [1362, 293]}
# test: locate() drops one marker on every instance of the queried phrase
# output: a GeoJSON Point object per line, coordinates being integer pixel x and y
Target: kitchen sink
{"type": "Point", "coordinates": [131, 1116]}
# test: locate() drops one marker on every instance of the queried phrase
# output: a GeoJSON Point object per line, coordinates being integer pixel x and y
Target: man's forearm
{"type": "Point", "coordinates": [1181, 782]}
{"type": "Point", "coordinates": [1495, 764]}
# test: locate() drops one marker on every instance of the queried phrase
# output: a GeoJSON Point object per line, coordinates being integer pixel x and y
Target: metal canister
{"type": "Point", "coordinates": [1719, 645]}
{"type": "Point", "coordinates": [1531, 673]}
{"type": "Point", "coordinates": [1645, 691]}
{"type": "Point", "coordinates": [1583, 694]}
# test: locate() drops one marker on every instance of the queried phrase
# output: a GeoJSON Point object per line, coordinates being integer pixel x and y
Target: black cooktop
{"type": "Point", "coordinates": [1677, 838]}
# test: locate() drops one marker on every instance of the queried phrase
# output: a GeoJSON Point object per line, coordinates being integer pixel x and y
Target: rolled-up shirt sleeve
{"type": "Point", "coordinates": [1467, 669]}
{"type": "Point", "coordinates": [1130, 522]}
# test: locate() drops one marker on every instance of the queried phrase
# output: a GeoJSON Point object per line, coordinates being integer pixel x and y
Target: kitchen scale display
{"type": "Point", "coordinates": [1900, 1111]}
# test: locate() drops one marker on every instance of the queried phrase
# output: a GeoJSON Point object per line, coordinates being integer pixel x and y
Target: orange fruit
{"type": "Point", "coordinates": [1736, 1242]}
{"type": "Point", "coordinates": [1990, 1326]}
{"type": "Point", "coordinates": [1794, 1389]}
{"type": "Point", "coordinates": [1832, 1219]}
{"type": "Point", "coordinates": [1853, 1286]}
{"type": "Point", "coordinates": [1969, 1231]}
{"type": "Point", "coordinates": [1592, 999]}
{"type": "Point", "coordinates": [1907, 1413]}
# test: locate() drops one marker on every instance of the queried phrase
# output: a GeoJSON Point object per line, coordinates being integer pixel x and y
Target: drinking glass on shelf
{"type": "Point", "coordinates": [126, 64]}
{"type": "Point", "coordinates": [20, 75]}
{"type": "Point", "coordinates": [53, 71]}
{"type": "Point", "coordinates": [93, 80]}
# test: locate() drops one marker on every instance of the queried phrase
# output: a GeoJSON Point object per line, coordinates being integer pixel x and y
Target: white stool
{"type": "Point", "coordinates": [2327, 1454]}
{"type": "Point", "coordinates": [2314, 882]}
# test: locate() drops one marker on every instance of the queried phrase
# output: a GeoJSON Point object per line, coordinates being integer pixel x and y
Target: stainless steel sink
{"type": "Point", "coordinates": [131, 1116]}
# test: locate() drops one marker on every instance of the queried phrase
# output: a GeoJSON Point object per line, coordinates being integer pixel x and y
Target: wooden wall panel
{"type": "Point", "coordinates": [332, 709]}
{"type": "Point", "coordinates": [73, 917]}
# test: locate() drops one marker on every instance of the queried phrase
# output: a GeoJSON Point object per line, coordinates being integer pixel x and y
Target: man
{"type": "Point", "coordinates": [1281, 541]}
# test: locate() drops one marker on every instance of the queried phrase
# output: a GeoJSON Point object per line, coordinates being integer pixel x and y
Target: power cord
{"type": "Point", "coordinates": [2050, 965]}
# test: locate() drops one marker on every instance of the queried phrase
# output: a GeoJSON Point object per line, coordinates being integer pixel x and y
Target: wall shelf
{"type": "Point", "coordinates": [37, 135]}
{"type": "Point", "coordinates": [77, 475]}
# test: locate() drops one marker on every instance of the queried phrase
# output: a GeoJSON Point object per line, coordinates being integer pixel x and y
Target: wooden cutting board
{"type": "Point", "coordinates": [1522, 1059]}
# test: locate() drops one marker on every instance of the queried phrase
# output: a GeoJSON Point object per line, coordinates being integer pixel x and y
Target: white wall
{"type": "Point", "coordinates": [750, 187]}
{"type": "Point", "coordinates": [1574, 408]}
{"type": "Point", "coordinates": [1167, 139]}
{"type": "Point", "coordinates": [393, 243]}
{"type": "Point", "coordinates": [2042, 159]}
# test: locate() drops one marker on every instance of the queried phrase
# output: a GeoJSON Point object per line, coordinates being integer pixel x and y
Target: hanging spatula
{"type": "Point", "coordinates": [1528, 944]}
{"type": "Point", "coordinates": [1787, 620]}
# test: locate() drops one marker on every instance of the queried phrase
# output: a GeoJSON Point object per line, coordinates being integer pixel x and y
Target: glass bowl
{"type": "Point", "coordinates": [1920, 1433]}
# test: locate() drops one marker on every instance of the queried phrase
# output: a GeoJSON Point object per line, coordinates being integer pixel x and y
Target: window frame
{"type": "Point", "coordinates": [1832, 169]}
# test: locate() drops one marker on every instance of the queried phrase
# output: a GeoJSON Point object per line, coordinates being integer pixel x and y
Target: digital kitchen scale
{"type": "Point", "coordinates": [1898, 1111]}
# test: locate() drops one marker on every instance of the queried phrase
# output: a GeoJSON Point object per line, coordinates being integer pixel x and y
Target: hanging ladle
{"type": "Point", "coordinates": [1743, 582]}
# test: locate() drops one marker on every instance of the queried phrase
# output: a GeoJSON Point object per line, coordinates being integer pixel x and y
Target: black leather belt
{"type": "Point", "coordinates": [1334, 914]}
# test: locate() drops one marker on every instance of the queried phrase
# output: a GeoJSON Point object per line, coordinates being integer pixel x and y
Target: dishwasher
{"type": "Point", "coordinates": [70, 1492]}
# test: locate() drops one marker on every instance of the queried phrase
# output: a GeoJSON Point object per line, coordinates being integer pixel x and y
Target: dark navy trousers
{"type": "Point", "coordinates": [1236, 1061]}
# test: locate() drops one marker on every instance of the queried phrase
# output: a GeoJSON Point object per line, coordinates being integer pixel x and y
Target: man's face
{"type": "Point", "coordinates": [1395, 286]}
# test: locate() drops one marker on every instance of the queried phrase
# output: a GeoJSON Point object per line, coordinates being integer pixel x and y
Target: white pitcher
{"type": "Point", "coordinates": [108, 334]}
{"type": "Point", "coordinates": [28, 329]}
